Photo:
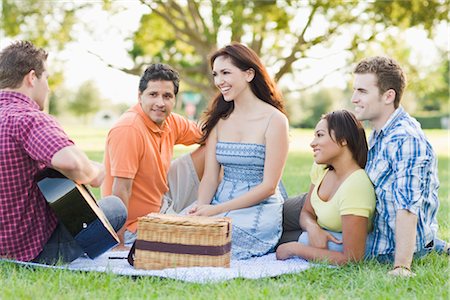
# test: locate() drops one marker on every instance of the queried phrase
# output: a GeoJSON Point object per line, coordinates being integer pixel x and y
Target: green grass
{"type": "Point", "coordinates": [357, 281]}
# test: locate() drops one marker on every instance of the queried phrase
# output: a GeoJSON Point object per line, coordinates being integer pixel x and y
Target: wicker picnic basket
{"type": "Point", "coordinates": [169, 241]}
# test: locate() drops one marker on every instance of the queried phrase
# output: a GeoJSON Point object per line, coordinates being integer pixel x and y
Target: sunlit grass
{"type": "Point", "coordinates": [357, 281]}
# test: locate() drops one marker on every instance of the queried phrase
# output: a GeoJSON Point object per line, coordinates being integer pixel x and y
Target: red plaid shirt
{"type": "Point", "coordinates": [28, 140]}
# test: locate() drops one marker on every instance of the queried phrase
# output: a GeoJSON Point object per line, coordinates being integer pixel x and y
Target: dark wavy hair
{"type": "Point", "coordinates": [347, 128]}
{"type": "Point", "coordinates": [262, 85]}
{"type": "Point", "coordinates": [156, 72]}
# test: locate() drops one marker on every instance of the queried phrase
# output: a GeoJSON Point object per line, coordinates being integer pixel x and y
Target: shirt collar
{"type": "Point", "coordinates": [148, 122]}
{"type": "Point", "coordinates": [7, 96]}
{"type": "Point", "coordinates": [392, 121]}
{"type": "Point", "coordinates": [390, 124]}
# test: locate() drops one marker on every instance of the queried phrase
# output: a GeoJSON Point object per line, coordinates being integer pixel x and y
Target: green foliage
{"type": "Point", "coordinates": [433, 121]}
{"type": "Point", "coordinates": [282, 32]}
{"type": "Point", "coordinates": [86, 100]}
{"type": "Point", "coordinates": [285, 33]}
{"type": "Point", "coordinates": [366, 280]}
{"type": "Point", "coordinates": [46, 24]}
{"type": "Point", "coordinates": [406, 14]}
{"type": "Point", "coordinates": [312, 106]}
{"type": "Point", "coordinates": [434, 95]}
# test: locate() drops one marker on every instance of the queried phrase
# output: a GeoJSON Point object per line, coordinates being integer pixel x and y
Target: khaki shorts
{"type": "Point", "coordinates": [183, 185]}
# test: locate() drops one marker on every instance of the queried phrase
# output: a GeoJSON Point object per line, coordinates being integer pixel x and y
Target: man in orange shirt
{"type": "Point", "coordinates": [139, 149]}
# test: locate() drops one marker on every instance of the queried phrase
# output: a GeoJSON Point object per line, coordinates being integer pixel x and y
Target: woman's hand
{"type": "Point", "coordinates": [287, 250]}
{"type": "Point", "coordinates": [319, 238]}
{"type": "Point", "coordinates": [205, 210]}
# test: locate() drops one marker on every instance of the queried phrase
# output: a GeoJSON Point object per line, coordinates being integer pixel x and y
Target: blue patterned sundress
{"type": "Point", "coordinates": [257, 229]}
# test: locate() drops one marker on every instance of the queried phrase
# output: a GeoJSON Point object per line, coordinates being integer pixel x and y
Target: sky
{"type": "Point", "coordinates": [108, 40]}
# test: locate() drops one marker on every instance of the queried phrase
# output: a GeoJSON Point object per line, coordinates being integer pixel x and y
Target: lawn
{"type": "Point", "coordinates": [357, 281]}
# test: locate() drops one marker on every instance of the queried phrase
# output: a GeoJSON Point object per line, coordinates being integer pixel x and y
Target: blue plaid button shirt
{"type": "Point", "coordinates": [403, 168]}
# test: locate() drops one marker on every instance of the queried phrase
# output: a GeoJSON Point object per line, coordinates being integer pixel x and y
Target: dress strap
{"type": "Point", "coordinates": [268, 122]}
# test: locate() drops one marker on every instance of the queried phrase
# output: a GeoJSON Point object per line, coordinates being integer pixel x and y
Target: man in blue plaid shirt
{"type": "Point", "coordinates": [402, 166]}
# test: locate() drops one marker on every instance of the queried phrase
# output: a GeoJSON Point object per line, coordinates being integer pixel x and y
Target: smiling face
{"type": "Point", "coordinates": [369, 104]}
{"type": "Point", "coordinates": [324, 146]}
{"type": "Point", "coordinates": [229, 79]}
{"type": "Point", "coordinates": [157, 100]}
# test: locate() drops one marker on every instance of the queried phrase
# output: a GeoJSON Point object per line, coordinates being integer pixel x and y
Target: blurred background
{"type": "Point", "coordinates": [98, 49]}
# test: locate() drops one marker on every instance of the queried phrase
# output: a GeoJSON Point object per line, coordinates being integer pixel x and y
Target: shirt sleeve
{"type": "Point", "coordinates": [358, 197]}
{"type": "Point", "coordinates": [187, 132]}
{"type": "Point", "coordinates": [411, 164]}
{"type": "Point", "coordinates": [125, 147]}
{"type": "Point", "coordinates": [41, 137]}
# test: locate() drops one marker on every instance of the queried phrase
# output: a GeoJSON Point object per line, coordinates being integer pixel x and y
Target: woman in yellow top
{"type": "Point", "coordinates": [338, 211]}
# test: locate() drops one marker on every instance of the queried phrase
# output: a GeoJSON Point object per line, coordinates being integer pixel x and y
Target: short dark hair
{"type": "Point", "coordinates": [347, 128]}
{"type": "Point", "coordinates": [388, 72]}
{"type": "Point", "coordinates": [17, 60]}
{"type": "Point", "coordinates": [156, 72]}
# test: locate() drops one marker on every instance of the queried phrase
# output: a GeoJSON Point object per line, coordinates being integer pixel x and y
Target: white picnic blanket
{"type": "Point", "coordinates": [253, 268]}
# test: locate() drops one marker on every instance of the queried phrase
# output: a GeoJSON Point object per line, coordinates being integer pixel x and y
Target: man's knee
{"type": "Point", "coordinates": [114, 210]}
{"type": "Point", "coordinates": [183, 184]}
{"type": "Point", "coordinates": [198, 160]}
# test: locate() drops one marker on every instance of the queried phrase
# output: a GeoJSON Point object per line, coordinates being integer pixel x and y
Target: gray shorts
{"type": "Point", "coordinates": [183, 187]}
{"type": "Point", "coordinates": [291, 218]}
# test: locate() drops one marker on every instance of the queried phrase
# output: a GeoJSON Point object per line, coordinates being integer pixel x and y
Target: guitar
{"type": "Point", "coordinates": [76, 208]}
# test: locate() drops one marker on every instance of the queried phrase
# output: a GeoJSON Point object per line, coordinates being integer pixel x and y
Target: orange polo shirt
{"type": "Point", "coordinates": [138, 149]}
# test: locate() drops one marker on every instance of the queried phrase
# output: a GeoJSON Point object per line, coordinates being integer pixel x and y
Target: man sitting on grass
{"type": "Point", "coordinates": [402, 166]}
{"type": "Point", "coordinates": [31, 140]}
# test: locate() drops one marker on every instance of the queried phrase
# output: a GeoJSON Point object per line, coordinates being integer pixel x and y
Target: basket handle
{"type": "Point", "coordinates": [131, 254]}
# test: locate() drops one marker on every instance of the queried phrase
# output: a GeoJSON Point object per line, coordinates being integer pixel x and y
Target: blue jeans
{"type": "Point", "coordinates": [304, 239]}
{"type": "Point", "coordinates": [62, 247]}
{"type": "Point", "coordinates": [438, 245]}
{"type": "Point", "coordinates": [129, 238]}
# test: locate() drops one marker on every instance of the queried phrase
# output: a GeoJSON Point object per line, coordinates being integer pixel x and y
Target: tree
{"type": "Point", "coordinates": [47, 24]}
{"type": "Point", "coordinates": [435, 98]}
{"type": "Point", "coordinates": [85, 101]}
{"type": "Point", "coordinates": [283, 33]}
{"type": "Point", "coordinates": [316, 104]}
{"type": "Point", "coordinates": [287, 34]}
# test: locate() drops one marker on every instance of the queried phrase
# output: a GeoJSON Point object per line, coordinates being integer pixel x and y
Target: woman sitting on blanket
{"type": "Point", "coordinates": [246, 133]}
{"type": "Point", "coordinates": [338, 211]}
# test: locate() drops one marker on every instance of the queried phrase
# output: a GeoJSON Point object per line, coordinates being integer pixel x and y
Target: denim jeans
{"type": "Point", "coordinates": [304, 239]}
{"type": "Point", "coordinates": [437, 245]}
{"type": "Point", "coordinates": [129, 238]}
{"type": "Point", "coordinates": [62, 247]}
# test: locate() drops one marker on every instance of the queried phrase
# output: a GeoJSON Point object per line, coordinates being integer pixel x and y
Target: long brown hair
{"type": "Point", "coordinates": [262, 85]}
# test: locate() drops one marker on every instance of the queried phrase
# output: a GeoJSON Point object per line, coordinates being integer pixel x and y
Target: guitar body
{"type": "Point", "coordinates": [77, 209]}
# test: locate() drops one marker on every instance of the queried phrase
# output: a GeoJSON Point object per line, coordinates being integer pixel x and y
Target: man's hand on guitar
{"type": "Point", "coordinates": [97, 181]}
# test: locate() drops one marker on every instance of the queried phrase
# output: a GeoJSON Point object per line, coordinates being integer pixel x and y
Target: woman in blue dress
{"type": "Point", "coordinates": [246, 134]}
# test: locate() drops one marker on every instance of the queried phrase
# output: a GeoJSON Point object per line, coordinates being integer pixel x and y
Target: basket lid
{"type": "Point", "coordinates": [186, 220]}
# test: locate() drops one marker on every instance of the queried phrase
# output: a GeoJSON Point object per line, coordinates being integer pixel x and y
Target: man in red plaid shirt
{"type": "Point", "coordinates": [31, 140]}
